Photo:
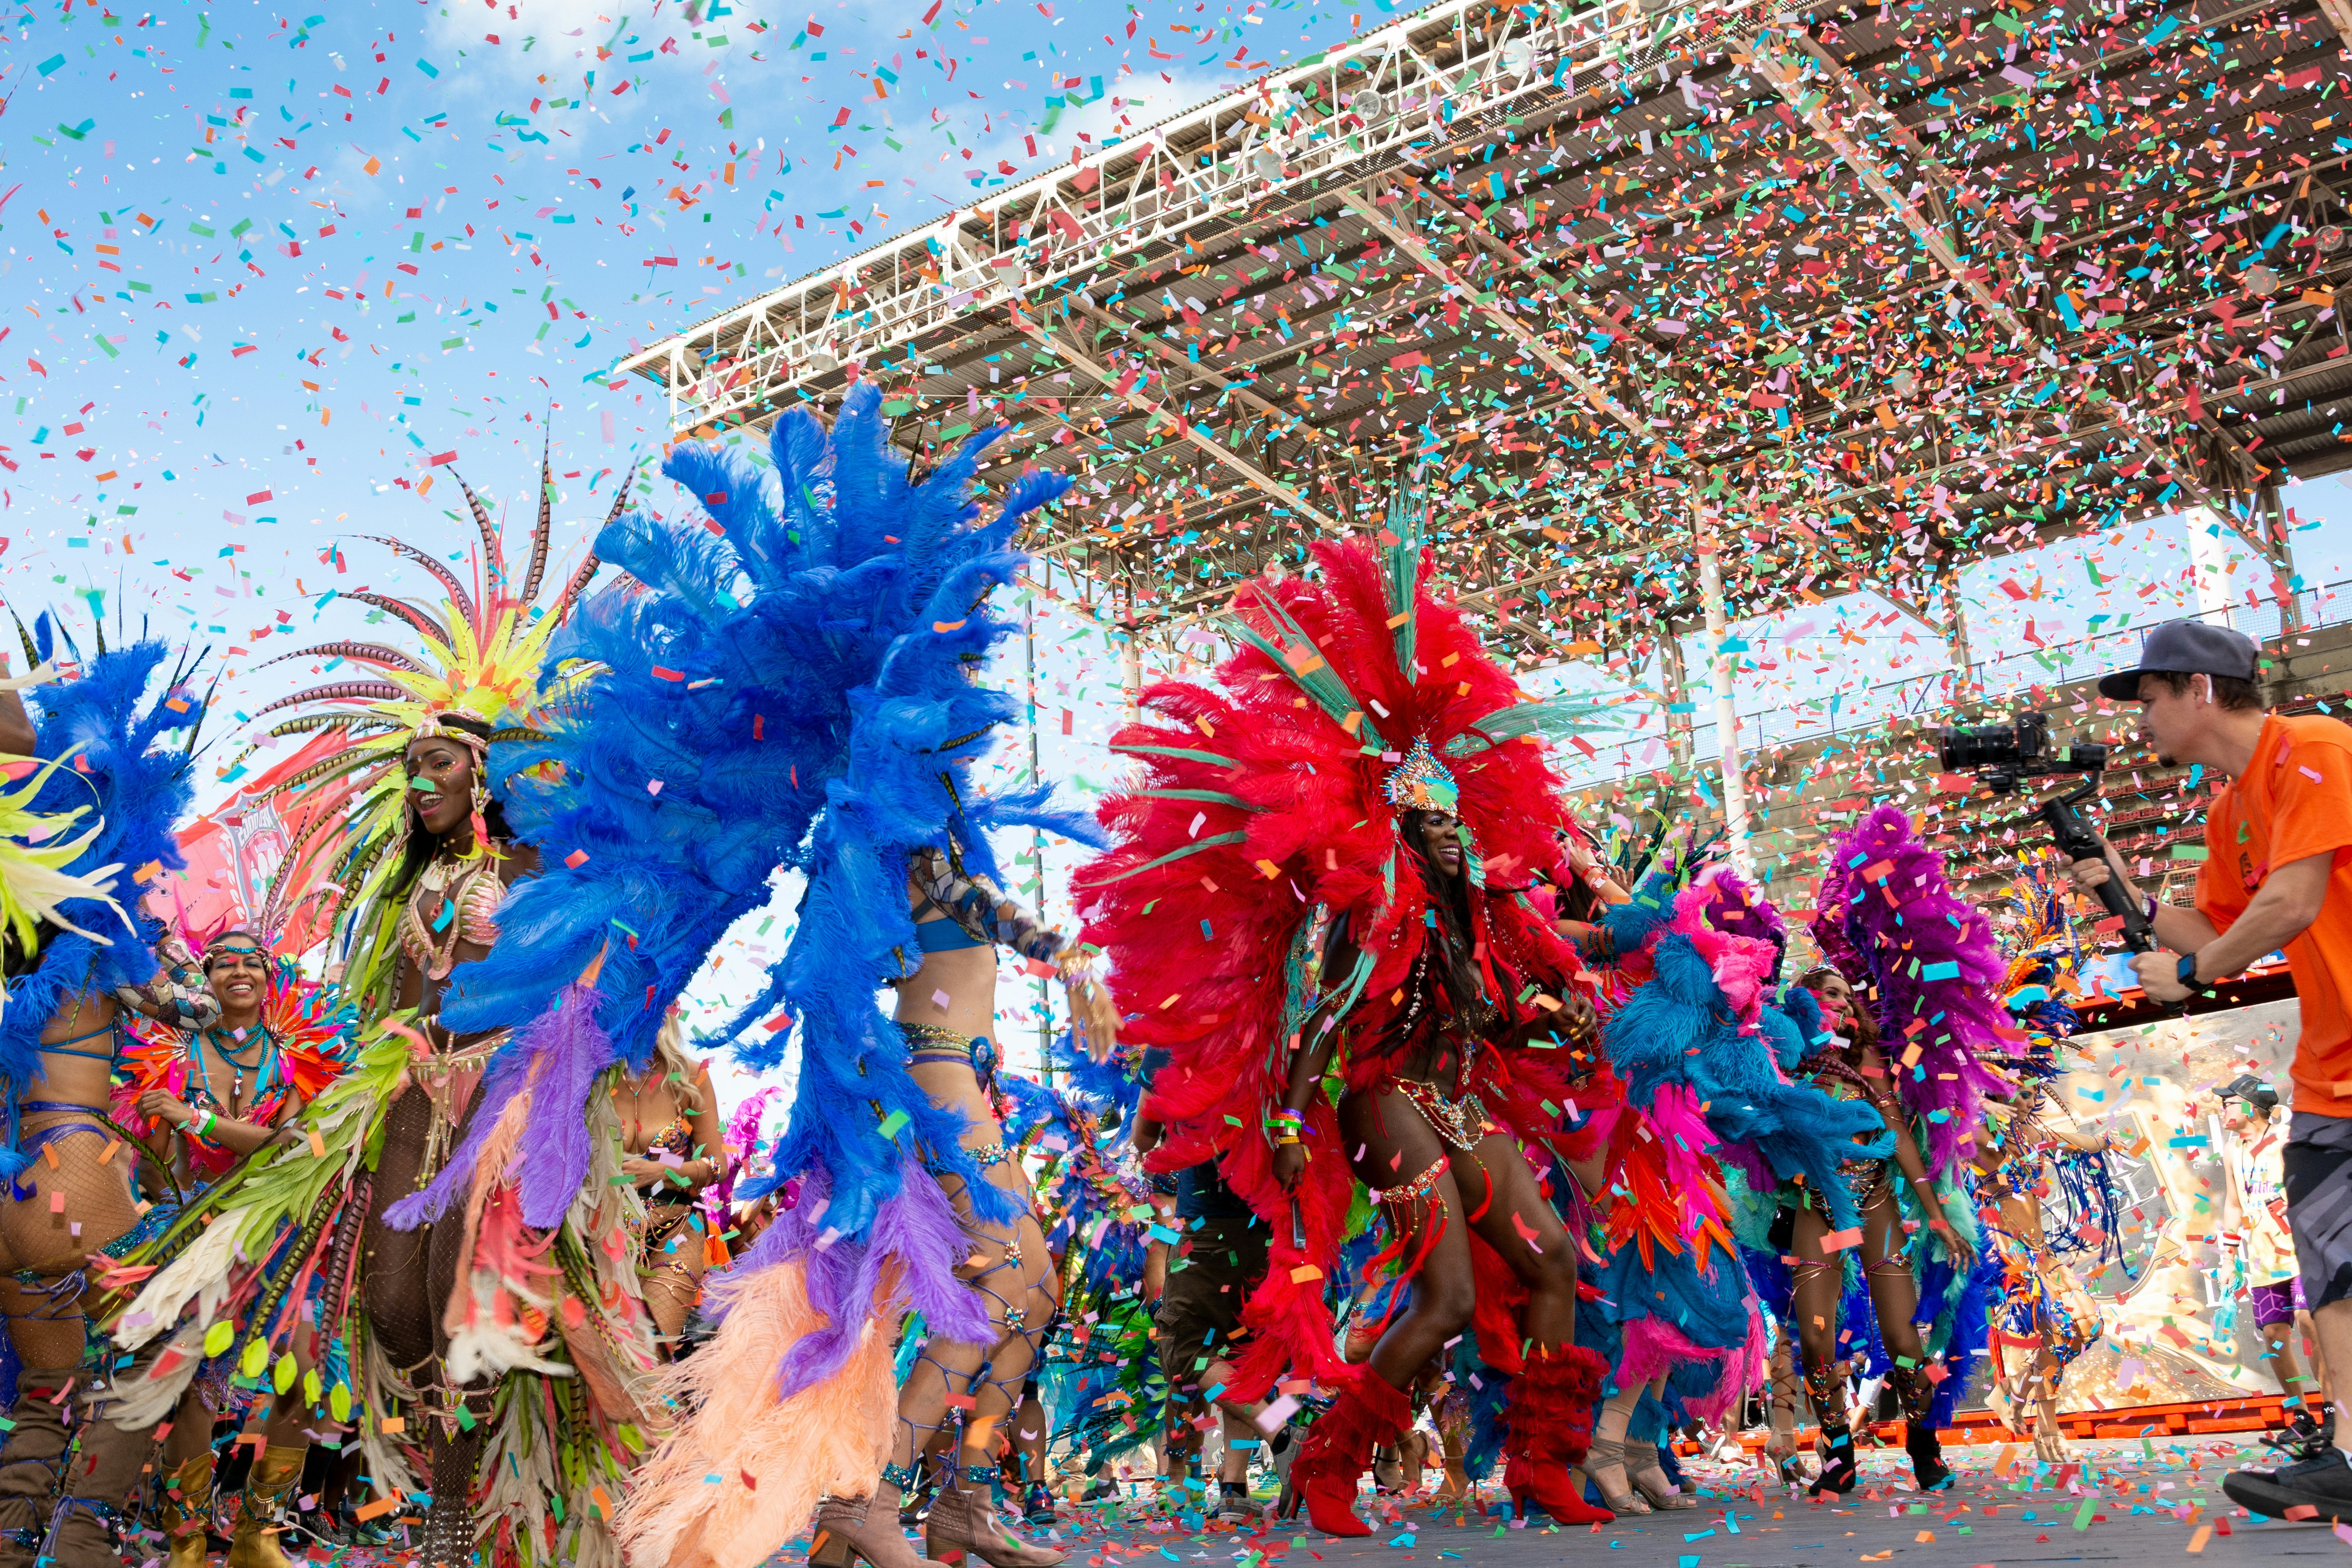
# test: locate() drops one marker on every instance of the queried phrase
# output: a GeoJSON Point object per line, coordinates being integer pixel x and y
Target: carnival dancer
{"type": "Point", "coordinates": [425, 861]}
{"type": "Point", "coordinates": [103, 800]}
{"type": "Point", "coordinates": [1709, 1119]}
{"type": "Point", "coordinates": [1931, 976]}
{"type": "Point", "coordinates": [1096, 1365]}
{"type": "Point", "coordinates": [2042, 1302]}
{"type": "Point", "coordinates": [672, 1149]}
{"type": "Point", "coordinates": [1338, 832]}
{"type": "Point", "coordinates": [206, 1099]}
{"type": "Point", "coordinates": [823, 711]}
{"type": "Point", "coordinates": [1219, 1258]}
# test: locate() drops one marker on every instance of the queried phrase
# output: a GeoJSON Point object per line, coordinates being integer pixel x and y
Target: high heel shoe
{"type": "Point", "coordinates": [1781, 1448]}
{"type": "Point", "coordinates": [1927, 1451]}
{"type": "Point", "coordinates": [1602, 1454]}
{"type": "Point", "coordinates": [1339, 1449]}
{"type": "Point", "coordinates": [1550, 1487]}
{"type": "Point", "coordinates": [851, 1529]}
{"type": "Point", "coordinates": [963, 1519]}
{"type": "Point", "coordinates": [1838, 1470]}
{"type": "Point", "coordinates": [1665, 1497]}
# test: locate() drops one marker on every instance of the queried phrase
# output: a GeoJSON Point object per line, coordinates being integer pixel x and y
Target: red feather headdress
{"type": "Point", "coordinates": [1270, 799]}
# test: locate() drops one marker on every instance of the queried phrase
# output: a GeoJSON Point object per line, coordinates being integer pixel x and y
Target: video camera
{"type": "Point", "coordinates": [2004, 756]}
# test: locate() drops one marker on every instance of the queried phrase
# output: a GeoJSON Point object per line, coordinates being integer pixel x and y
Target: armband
{"type": "Point", "coordinates": [177, 995]}
{"type": "Point", "coordinates": [985, 911]}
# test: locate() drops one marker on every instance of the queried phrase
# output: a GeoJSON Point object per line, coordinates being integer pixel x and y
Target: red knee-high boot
{"type": "Point", "coordinates": [1337, 1450]}
{"type": "Point", "coordinates": [1550, 1421]}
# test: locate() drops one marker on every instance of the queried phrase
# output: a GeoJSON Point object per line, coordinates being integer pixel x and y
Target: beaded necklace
{"type": "Point", "coordinates": [264, 1058]}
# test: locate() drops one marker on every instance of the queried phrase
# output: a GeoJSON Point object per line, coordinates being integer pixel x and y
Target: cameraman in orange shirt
{"type": "Point", "coordinates": [2277, 875]}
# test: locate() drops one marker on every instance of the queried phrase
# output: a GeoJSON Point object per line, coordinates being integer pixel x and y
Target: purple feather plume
{"type": "Point", "coordinates": [740, 1139]}
{"type": "Point", "coordinates": [555, 1059]}
{"type": "Point", "coordinates": [551, 1163]}
{"type": "Point", "coordinates": [917, 1227]}
{"type": "Point", "coordinates": [1737, 909]}
{"type": "Point", "coordinates": [1887, 919]}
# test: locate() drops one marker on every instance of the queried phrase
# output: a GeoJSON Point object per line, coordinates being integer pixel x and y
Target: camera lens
{"type": "Point", "coordinates": [1969, 749]}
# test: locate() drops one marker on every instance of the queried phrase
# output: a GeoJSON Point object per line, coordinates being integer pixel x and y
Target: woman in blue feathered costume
{"type": "Point", "coordinates": [2042, 1301]}
{"type": "Point", "coordinates": [79, 951]}
{"type": "Point", "coordinates": [1096, 1207]}
{"type": "Point", "coordinates": [1710, 1119]}
{"type": "Point", "coordinates": [793, 684]}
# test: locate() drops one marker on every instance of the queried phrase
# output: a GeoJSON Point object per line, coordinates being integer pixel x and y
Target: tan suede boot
{"type": "Point", "coordinates": [267, 1489]}
{"type": "Point", "coordinates": [187, 1514]}
{"type": "Point", "coordinates": [29, 1461]}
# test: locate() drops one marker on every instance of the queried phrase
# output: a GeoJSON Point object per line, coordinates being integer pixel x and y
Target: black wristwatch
{"type": "Point", "coordinates": [2187, 972]}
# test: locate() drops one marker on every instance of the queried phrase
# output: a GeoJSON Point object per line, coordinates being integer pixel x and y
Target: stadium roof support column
{"type": "Point", "coordinates": [1675, 679]}
{"type": "Point", "coordinates": [1404, 240]}
{"type": "Point", "coordinates": [2280, 551]}
{"type": "Point", "coordinates": [1130, 668]}
{"type": "Point", "coordinates": [2208, 561]}
{"type": "Point", "coordinates": [1733, 775]}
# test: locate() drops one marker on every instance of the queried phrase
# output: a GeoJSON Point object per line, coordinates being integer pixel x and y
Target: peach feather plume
{"type": "Point", "coordinates": [830, 1440]}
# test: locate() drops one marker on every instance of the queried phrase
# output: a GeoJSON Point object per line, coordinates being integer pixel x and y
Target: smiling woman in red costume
{"type": "Point", "coordinates": [1325, 865]}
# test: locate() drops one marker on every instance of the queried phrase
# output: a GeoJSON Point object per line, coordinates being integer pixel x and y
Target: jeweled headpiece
{"type": "Point", "coordinates": [1422, 783]}
{"type": "Point", "coordinates": [479, 659]}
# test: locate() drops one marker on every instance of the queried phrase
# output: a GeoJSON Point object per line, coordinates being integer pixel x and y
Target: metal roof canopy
{"type": "Point", "coordinates": [1873, 295]}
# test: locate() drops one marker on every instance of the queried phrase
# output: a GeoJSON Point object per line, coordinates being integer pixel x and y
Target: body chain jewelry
{"type": "Point", "coordinates": [1459, 1122]}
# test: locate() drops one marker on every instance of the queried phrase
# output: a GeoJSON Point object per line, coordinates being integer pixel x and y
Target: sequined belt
{"type": "Point", "coordinates": [437, 1076]}
{"type": "Point", "coordinates": [938, 1043]}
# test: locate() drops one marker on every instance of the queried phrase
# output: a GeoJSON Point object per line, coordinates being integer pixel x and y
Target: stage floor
{"type": "Point", "coordinates": [2153, 1503]}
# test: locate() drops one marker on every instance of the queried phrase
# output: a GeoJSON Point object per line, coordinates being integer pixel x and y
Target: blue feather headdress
{"type": "Point", "coordinates": [787, 686]}
{"type": "Point", "coordinates": [102, 724]}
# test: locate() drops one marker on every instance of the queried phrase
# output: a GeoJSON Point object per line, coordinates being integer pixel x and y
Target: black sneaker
{"type": "Point", "coordinates": [1233, 1501]}
{"type": "Point", "coordinates": [2323, 1482]}
{"type": "Point", "coordinates": [1037, 1507]}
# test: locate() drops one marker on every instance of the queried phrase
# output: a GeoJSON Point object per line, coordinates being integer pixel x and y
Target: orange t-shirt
{"type": "Point", "coordinates": [2295, 801]}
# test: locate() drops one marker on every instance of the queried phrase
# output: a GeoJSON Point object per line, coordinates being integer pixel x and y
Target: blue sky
{"type": "Point", "coordinates": [267, 281]}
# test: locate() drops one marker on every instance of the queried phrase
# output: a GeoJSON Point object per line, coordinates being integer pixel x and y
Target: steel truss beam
{"type": "Point", "coordinates": [1361, 106]}
{"type": "Point", "coordinates": [1404, 240]}
{"type": "Point", "coordinates": [1157, 415]}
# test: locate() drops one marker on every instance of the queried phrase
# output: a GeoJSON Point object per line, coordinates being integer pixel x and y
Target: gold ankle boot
{"type": "Point", "coordinates": [188, 1510]}
{"type": "Point", "coordinates": [268, 1488]}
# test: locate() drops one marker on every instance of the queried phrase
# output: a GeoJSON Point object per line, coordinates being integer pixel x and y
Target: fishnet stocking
{"type": "Point", "coordinates": [65, 1211]}
{"type": "Point", "coordinates": [1820, 1281]}
{"type": "Point", "coordinates": [393, 1290]}
{"type": "Point", "coordinates": [454, 1451]}
{"type": "Point", "coordinates": [670, 1273]}
{"type": "Point", "coordinates": [1010, 1268]}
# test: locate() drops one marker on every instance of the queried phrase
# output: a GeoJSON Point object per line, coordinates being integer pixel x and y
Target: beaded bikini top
{"type": "Point", "coordinates": [453, 901]}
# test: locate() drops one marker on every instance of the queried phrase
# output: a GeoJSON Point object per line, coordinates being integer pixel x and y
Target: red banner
{"type": "Point", "coordinates": [236, 853]}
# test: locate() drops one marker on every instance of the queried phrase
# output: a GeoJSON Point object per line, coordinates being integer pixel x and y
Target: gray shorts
{"type": "Point", "coordinates": [2319, 1204]}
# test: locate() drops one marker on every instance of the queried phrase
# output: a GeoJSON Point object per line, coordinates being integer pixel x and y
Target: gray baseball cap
{"type": "Point", "coordinates": [2185, 647]}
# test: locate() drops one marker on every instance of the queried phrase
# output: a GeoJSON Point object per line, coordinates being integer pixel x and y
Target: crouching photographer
{"type": "Point", "coordinates": [2277, 875]}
